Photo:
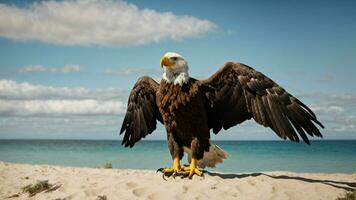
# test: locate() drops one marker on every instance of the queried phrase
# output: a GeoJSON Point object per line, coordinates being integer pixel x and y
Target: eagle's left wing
{"type": "Point", "coordinates": [237, 93]}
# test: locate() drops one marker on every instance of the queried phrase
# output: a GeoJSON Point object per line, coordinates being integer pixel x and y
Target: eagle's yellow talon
{"type": "Point", "coordinates": [185, 168]}
{"type": "Point", "coordinates": [174, 170]}
{"type": "Point", "coordinates": [192, 169]}
{"type": "Point", "coordinates": [198, 172]}
{"type": "Point", "coordinates": [167, 170]}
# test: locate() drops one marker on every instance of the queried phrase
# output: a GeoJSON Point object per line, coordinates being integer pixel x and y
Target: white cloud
{"type": "Point", "coordinates": [98, 23]}
{"type": "Point", "coordinates": [331, 99]}
{"type": "Point", "coordinates": [28, 111]}
{"type": "Point", "coordinates": [69, 68]}
{"type": "Point", "coordinates": [66, 126]}
{"type": "Point", "coordinates": [27, 99]}
{"type": "Point", "coordinates": [133, 71]}
{"type": "Point", "coordinates": [325, 78]}
{"type": "Point", "coordinates": [327, 109]}
{"type": "Point", "coordinates": [10, 89]}
{"type": "Point", "coordinates": [336, 111]}
{"type": "Point", "coordinates": [59, 107]}
{"type": "Point", "coordinates": [347, 123]}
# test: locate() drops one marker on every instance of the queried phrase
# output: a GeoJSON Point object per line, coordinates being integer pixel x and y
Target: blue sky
{"type": "Point", "coordinates": [66, 67]}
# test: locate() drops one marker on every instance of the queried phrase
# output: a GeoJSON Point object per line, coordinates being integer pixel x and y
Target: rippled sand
{"type": "Point", "coordinates": [89, 183]}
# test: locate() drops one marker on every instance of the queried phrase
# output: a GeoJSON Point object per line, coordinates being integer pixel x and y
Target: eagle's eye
{"type": "Point", "coordinates": [174, 58]}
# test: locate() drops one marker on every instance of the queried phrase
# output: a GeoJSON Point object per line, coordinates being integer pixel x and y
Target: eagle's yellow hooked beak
{"type": "Point", "coordinates": [166, 62]}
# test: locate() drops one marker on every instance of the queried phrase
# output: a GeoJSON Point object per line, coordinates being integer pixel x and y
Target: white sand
{"type": "Point", "coordinates": [88, 183]}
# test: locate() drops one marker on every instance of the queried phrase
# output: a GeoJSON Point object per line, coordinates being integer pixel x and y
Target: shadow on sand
{"type": "Point", "coordinates": [349, 186]}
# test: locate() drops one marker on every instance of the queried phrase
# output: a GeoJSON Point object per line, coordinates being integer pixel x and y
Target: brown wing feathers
{"type": "Point", "coordinates": [240, 92]}
{"type": "Point", "coordinates": [142, 112]}
{"type": "Point", "coordinates": [235, 93]}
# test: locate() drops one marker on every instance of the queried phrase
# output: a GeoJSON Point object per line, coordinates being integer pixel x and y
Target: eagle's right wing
{"type": "Point", "coordinates": [238, 93]}
{"type": "Point", "coordinates": [142, 112]}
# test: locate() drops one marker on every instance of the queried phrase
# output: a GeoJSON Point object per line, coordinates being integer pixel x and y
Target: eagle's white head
{"type": "Point", "coordinates": [175, 68]}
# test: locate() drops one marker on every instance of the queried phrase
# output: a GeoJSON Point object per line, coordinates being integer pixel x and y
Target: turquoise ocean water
{"type": "Point", "coordinates": [244, 156]}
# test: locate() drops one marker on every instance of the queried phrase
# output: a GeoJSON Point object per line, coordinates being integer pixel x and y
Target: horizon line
{"type": "Point", "coordinates": [150, 140]}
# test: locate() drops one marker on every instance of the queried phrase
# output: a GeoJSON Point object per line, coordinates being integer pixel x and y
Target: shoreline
{"type": "Point", "coordinates": [90, 183]}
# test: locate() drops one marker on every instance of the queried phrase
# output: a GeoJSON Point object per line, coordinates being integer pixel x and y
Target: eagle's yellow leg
{"type": "Point", "coordinates": [192, 169]}
{"type": "Point", "coordinates": [174, 170]}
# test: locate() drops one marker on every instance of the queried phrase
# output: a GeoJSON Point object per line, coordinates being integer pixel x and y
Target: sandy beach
{"type": "Point", "coordinates": [89, 183]}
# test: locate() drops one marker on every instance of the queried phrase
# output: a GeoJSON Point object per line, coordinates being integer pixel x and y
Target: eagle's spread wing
{"type": "Point", "coordinates": [238, 92]}
{"type": "Point", "coordinates": [142, 112]}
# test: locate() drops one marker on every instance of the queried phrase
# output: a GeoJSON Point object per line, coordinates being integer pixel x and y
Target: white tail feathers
{"type": "Point", "coordinates": [214, 156]}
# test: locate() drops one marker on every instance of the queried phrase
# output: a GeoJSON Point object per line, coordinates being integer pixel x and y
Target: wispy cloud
{"type": "Point", "coordinates": [26, 99]}
{"type": "Point", "coordinates": [133, 71]}
{"type": "Point", "coordinates": [325, 78]}
{"type": "Point", "coordinates": [337, 112]}
{"type": "Point", "coordinates": [69, 68]}
{"type": "Point", "coordinates": [27, 110]}
{"type": "Point", "coordinates": [327, 109]}
{"type": "Point", "coordinates": [60, 107]}
{"type": "Point", "coordinates": [12, 90]}
{"type": "Point", "coordinates": [99, 23]}
{"type": "Point", "coordinates": [65, 126]}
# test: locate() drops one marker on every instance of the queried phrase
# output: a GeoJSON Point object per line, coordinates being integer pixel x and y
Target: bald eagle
{"type": "Point", "coordinates": [191, 108]}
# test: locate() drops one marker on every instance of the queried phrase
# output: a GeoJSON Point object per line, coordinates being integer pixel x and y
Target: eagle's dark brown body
{"type": "Point", "coordinates": [232, 95]}
{"type": "Point", "coordinates": [184, 114]}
